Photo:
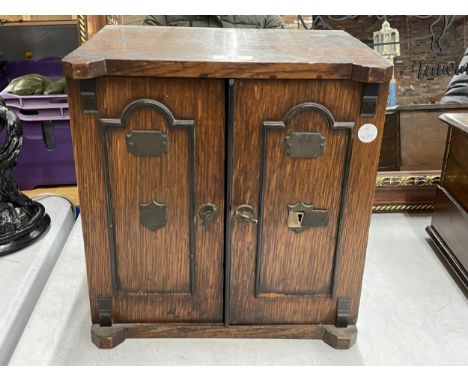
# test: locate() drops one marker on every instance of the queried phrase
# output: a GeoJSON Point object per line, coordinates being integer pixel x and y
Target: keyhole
{"type": "Point", "coordinates": [300, 215]}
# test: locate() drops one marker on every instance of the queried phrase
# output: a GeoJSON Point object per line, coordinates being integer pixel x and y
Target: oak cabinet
{"type": "Point", "coordinates": [226, 179]}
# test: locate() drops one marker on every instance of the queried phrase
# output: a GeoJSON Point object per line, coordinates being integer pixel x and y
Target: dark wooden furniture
{"type": "Point", "coordinates": [398, 191]}
{"type": "Point", "coordinates": [449, 226]}
{"type": "Point", "coordinates": [226, 179]}
{"type": "Point", "coordinates": [411, 157]}
{"type": "Point", "coordinates": [414, 137]}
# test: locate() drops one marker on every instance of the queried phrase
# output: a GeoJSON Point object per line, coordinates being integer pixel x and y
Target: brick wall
{"type": "Point", "coordinates": [410, 88]}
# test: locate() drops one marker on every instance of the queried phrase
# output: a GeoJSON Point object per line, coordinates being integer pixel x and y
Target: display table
{"type": "Point", "coordinates": [426, 324]}
{"type": "Point", "coordinates": [24, 273]}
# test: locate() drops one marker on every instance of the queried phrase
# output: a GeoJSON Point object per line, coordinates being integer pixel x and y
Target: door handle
{"type": "Point", "coordinates": [208, 212]}
{"type": "Point", "coordinates": [246, 213]}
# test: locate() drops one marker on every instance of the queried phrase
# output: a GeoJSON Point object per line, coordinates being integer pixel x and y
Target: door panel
{"type": "Point", "coordinates": [163, 147]}
{"type": "Point", "coordinates": [291, 160]}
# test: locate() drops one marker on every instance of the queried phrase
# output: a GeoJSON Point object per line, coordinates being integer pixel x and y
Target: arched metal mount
{"type": "Point", "coordinates": [309, 106]}
{"type": "Point", "coordinates": [151, 103]}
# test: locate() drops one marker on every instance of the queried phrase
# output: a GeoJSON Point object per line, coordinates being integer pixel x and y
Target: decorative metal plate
{"type": "Point", "coordinates": [147, 143]}
{"type": "Point", "coordinates": [304, 145]}
{"type": "Point", "coordinates": [302, 216]}
{"type": "Point", "coordinates": [153, 215]}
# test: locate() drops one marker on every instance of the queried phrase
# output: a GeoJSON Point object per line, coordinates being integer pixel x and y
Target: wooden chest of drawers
{"type": "Point", "coordinates": [449, 226]}
{"type": "Point", "coordinates": [226, 179]}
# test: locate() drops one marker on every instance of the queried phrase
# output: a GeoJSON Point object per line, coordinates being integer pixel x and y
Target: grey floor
{"type": "Point", "coordinates": [412, 313]}
{"type": "Point", "coordinates": [24, 273]}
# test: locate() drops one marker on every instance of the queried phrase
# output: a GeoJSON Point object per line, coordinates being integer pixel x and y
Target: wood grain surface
{"type": "Point", "coordinates": [85, 130]}
{"type": "Point", "coordinates": [124, 50]}
{"type": "Point", "coordinates": [295, 266]}
{"type": "Point", "coordinates": [358, 208]}
{"type": "Point", "coordinates": [153, 267]}
{"type": "Point", "coordinates": [154, 276]}
{"type": "Point", "coordinates": [110, 337]}
{"type": "Point", "coordinates": [455, 176]}
{"type": "Point", "coordinates": [422, 140]}
{"type": "Point", "coordinates": [390, 155]}
{"type": "Point", "coordinates": [451, 223]}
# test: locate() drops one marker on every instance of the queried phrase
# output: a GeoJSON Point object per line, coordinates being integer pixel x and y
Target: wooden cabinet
{"type": "Point", "coordinates": [449, 226]}
{"type": "Point", "coordinates": [226, 180]}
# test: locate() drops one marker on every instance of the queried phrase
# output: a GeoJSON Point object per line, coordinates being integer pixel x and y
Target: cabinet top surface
{"type": "Point", "coordinates": [458, 120]}
{"type": "Point", "coordinates": [226, 53]}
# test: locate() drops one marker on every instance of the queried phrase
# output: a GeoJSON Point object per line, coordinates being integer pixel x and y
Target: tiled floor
{"type": "Point", "coordinates": [412, 313]}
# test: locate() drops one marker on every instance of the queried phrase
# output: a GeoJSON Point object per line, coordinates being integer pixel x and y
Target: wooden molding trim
{"type": "Point", "coordinates": [108, 337]}
{"type": "Point", "coordinates": [405, 191]}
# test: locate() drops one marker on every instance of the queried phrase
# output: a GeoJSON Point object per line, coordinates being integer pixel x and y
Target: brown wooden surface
{"type": "Point", "coordinates": [94, 23]}
{"type": "Point", "coordinates": [300, 276]}
{"type": "Point", "coordinates": [389, 159]}
{"type": "Point", "coordinates": [297, 266]}
{"type": "Point", "coordinates": [414, 138]}
{"type": "Point", "coordinates": [459, 120]}
{"type": "Point", "coordinates": [154, 266]}
{"type": "Point", "coordinates": [358, 207]}
{"type": "Point", "coordinates": [406, 195]}
{"type": "Point", "coordinates": [422, 140]}
{"type": "Point", "coordinates": [449, 225]}
{"type": "Point", "coordinates": [109, 337]}
{"type": "Point", "coordinates": [87, 152]}
{"type": "Point", "coordinates": [216, 52]}
{"type": "Point", "coordinates": [450, 222]}
{"type": "Point", "coordinates": [455, 178]}
{"type": "Point", "coordinates": [405, 190]}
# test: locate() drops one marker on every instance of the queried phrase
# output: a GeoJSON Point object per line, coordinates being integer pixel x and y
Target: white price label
{"type": "Point", "coordinates": [367, 133]}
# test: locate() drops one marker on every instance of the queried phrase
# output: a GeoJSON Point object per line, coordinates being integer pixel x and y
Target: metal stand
{"type": "Point", "coordinates": [21, 219]}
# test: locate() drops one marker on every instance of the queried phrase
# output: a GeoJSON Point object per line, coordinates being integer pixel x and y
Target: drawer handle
{"type": "Point", "coordinates": [246, 213]}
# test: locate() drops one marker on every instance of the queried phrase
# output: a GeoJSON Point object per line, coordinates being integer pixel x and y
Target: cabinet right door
{"type": "Point", "coordinates": [292, 145]}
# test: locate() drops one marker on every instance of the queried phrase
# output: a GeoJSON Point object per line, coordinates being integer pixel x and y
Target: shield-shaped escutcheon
{"type": "Point", "coordinates": [153, 215]}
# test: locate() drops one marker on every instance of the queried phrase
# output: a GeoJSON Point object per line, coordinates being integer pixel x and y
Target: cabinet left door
{"type": "Point", "coordinates": [150, 166]}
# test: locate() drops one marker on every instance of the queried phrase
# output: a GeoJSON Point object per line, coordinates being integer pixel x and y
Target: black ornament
{"type": "Point", "coordinates": [22, 220]}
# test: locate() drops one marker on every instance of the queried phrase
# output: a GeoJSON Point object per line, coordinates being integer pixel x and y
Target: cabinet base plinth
{"type": "Point", "coordinates": [108, 337]}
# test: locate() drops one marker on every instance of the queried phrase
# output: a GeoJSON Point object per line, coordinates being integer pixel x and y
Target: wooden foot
{"type": "Point", "coordinates": [340, 338]}
{"type": "Point", "coordinates": [108, 337]}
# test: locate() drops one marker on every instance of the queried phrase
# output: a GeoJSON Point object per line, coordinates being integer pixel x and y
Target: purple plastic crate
{"type": "Point", "coordinates": [32, 115]}
{"type": "Point", "coordinates": [46, 158]}
{"type": "Point", "coordinates": [39, 165]}
{"type": "Point", "coordinates": [36, 102]}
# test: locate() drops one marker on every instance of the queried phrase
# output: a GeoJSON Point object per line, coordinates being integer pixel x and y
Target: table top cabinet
{"type": "Point", "coordinates": [226, 179]}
